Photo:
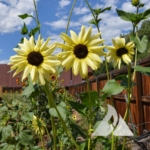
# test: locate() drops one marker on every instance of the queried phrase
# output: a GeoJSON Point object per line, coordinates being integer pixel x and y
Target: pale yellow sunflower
{"type": "Point", "coordinates": [38, 125]}
{"type": "Point", "coordinates": [120, 51]}
{"type": "Point", "coordinates": [74, 117]}
{"type": "Point", "coordinates": [81, 51]}
{"type": "Point", "coordinates": [34, 59]}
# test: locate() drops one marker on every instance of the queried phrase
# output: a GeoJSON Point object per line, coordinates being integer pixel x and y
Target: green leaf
{"type": "Point", "coordinates": [33, 31]}
{"type": "Point", "coordinates": [97, 11]}
{"type": "Point", "coordinates": [107, 8]}
{"type": "Point", "coordinates": [92, 21]}
{"type": "Point", "coordinates": [125, 15]}
{"type": "Point", "coordinates": [141, 5]}
{"type": "Point", "coordinates": [62, 110]}
{"type": "Point", "coordinates": [36, 148]}
{"type": "Point", "coordinates": [141, 45]}
{"type": "Point", "coordinates": [8, 147]}
{"type": "Point", "coordinates": [85, 98]}
{"type": "Point", "coordinates": [6, 132]}
{"type": "Point", "coordinates": [24, 16]}
{"type": "Point", "coordinates": [82, 145]}
{"type": "Point", "coordinates": [25, 138]}
{"type": "Point", "coordinates": [28, 90]}
{"type": "Point", "coordinates": [24, 30]}
{"type": "Point", "coordinates": [80, 108]}
{"type": "Point", "coordinates": [28, 116]}
{"type": "Point", "coordinates": [78, 129]}
{"type": "Point", "coordinates": [120, 77]}
{"type": "Point", "coordinates": [145, 70]}
{"type": "Point", "coordinates": [104, 97]}
{"type": "Point", "coordinates": [112, 87]}
{"type": "Point", "coordinates": [146, 14]}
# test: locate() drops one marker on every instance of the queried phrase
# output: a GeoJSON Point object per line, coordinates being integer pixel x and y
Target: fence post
{"type": "Point", "coordinates": [1, 91]}
{"type": "Point", "coordinates": [139, 105]}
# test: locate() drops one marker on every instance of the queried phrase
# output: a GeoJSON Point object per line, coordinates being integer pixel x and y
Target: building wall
{"type": "Point", "coordinates": [6, 77]}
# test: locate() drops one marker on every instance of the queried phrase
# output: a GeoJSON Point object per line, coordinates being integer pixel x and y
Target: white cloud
{"type": "Point", "coordinates": [111, 25]}
{"type": "Point", "coordinates": [63, 3]}
{"type": "Point", "coordinates": [128, 7]}
{"type": "Point", "coordinates": [81, 10]}
{"type": "Point", "coordinates": [5, 61]}
{"type": "Point", "coordinates": [85, 18]}
{"type": "Point", "coordinates": [10, 9]}
{"type": "Point", "coordinates": [61, 24]}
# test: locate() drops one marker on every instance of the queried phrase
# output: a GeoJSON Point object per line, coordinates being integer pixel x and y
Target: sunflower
{"type": "Point", "coordinates": [120, 50]}
{"type": "Point", "coordinates": [34, 59]}
{"type": "Point", "coordinates": [74, 117]}
{"type": "Point", "coordinates": [38, 125]}
{"type": "Point", "coordinates": [81, 51]}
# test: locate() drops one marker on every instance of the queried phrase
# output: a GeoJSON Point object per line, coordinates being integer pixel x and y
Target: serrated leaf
{"type": "Point", "coordinates": [62, 110]}
{"type": "Point", "coordinates": [140, 45]}
{"type": "Point", "coordinates": [125, 15]}
{"type": "Point", "coordinates": [8, 147]}
{"type": "Point", "coordinates": [146, 14]}
{"type": "Point", "coordinates": [28, 90]}
{"type": "Point", "coordinates": [80, 108]}
{"type": "Point", "coordinates": [6, 132]}
{"type": "Point", "coordinates": [142, 69]}
{"type": "Point", "coordinates": [85, 98]}
{"type": "Point", "coordinates": [25, 138]}
{"type": "Point", "coordinates": [112, 87]}
{"type": "Point", "coordinates": [78, 129]}
{"type": "Point", "coordinates": [28, 116]}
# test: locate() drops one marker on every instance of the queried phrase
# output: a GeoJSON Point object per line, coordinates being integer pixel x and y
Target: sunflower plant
{"type": "Point", "coordinates": [52, 106]}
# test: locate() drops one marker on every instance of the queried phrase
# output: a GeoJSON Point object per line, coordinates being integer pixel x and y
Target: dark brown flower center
{"type": "Point", "coordinates": [35, 58]}
{"type": "Point", "coordinates": [121, 51]}
{"type": "Point", "coordinates": [80, 51]}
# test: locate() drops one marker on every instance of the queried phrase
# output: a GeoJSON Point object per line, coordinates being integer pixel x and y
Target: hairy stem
{"type": "Point", "coordinates": [36, 12]}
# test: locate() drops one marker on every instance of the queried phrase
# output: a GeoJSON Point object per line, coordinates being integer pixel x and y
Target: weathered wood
{"type": "Point", "coordinates": [139, 104]}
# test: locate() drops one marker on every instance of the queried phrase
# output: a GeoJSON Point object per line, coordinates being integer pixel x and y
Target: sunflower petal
{"type": "Point", "coordinates": [76, 66]}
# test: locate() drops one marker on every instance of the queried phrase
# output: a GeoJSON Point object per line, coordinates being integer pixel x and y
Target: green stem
{"type": "Point", "coordinates": [135, 34]}
{"type": "Point", "coordinates": [61, 145]}
{"type": "Point", "coordinates": [65, 127]}
{"type": "Point", "coordinates": [47, 133]}
{"type": "Point", "coordinates": [54, 132]}
{"type": "Point", "coordinates": [36, 12]}
{"type": "Point", "coordinates": [70, 15]}
{"type": "Point", "coordinates": [50, 97]}
{"type": "Point", "coordinates": [95, 18]}
{"type": "Point", "coordinates": [112, 141]}
{"type": "Point", "coordinates": [46, 88]}
{"type": "Point", "coordinates": [90, 115]}
{"type": "Point", "coordinates": [129, 100]}
{"type": "Point", "coordinates": [42, 140]}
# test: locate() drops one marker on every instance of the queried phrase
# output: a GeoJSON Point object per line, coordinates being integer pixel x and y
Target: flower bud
{"type": "Point", "coordinates": [135, 2]}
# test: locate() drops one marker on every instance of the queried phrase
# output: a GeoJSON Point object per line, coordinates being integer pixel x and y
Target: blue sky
{"type": "Point", "coordinates": [53, 15]}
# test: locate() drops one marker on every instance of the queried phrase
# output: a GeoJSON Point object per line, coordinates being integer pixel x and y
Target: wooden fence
{"type": "Point", "coordinates": [140, 101]}
{"type": "Point", "coordinates": [10, 90]}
